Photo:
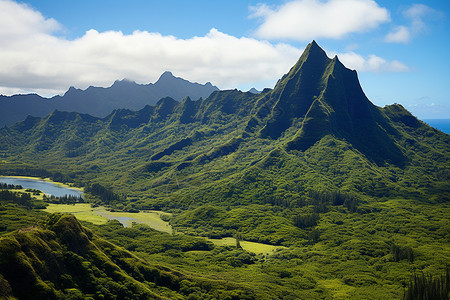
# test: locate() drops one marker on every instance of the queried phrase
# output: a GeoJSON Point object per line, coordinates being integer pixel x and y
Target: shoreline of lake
{"type": "Point", "coordinates": [65, 185]}
{"type": "Point", "coordinates": [46, 185]}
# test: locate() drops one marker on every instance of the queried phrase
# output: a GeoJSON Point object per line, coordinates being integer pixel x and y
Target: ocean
{"type": "Point", "coordinates": [441, 124]}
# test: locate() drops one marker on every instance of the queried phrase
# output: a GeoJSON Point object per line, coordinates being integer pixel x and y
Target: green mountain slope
{"type": "Point", "coordinates": [64, 260]}
{"type": "Point", "coordinates": [342, 257]}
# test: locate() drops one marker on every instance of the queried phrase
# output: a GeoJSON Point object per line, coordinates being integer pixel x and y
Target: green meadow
{"type": "Point", "coordinates": [257, 248]}
{"type": "Point", "coordinates": [100, 215]}
{"type": "Point", "coordinates": [83, 212]}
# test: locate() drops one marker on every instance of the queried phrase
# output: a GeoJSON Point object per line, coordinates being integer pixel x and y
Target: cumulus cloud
{"type": "Point", "coordinates": [312, 19]}
{"type": "Point", "coordinates": [20, 20]}
{"type": "Point", "coordinates": [36, 58]}
{"type": "Point", "coordinates": [371, 63]}
{"type": "Point", "coordinates": [416, 14]}
{"type": "Point", "coordinates": [400, 34]}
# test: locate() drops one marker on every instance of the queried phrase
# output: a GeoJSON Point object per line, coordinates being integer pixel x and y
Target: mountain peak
{"type": "Point", "coordinates": [314, 49]}
{"type": "Point", "coordinates": [295, 92]}
{"type": "Point", "coordinates": [312, 60]}
{"type": "Point", "coordinates": [254, 91]}
{"type": "Point", "coordinates": [167, 79]}
{"type": "Point", "coordinates": [314, 45]}
{"type": "Point", "coordinates": [320, 96]}
{"type": "Point", "coordinates": [71, 90]}
{"type": "Point", "coordinates": [166, 75]}
{"type": "Point", "coordinates": [124, 81]}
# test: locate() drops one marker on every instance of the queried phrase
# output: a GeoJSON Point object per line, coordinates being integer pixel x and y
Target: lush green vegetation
{"type": "Point", "coordinates": [359, 195]}
{"type": "Point", "coordinates": [5, 186]}
{"type": "Point", "coordinates": [363, 264]}
{"type": "Point", "coordinates": [82, 211]}
{"type": "Point", "coordinates": [428, 287]}
{"type": "Point", "coordinates": [60, 259]}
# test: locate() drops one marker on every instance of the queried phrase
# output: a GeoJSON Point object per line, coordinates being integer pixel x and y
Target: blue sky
{"type": "Point", "coordinates": [399, 48]}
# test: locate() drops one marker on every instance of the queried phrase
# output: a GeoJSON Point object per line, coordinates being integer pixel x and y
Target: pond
{"type": "Point", "coordinates": [46, 186]}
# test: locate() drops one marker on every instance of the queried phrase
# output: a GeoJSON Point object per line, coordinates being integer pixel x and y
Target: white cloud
{"type": "Point", "coordinates": [371, 63]}
{"type": "Point", "coordinates": [419, 14]}
{"type": "Point", "coordinates": [312, 19]}
{"type": "Point", "coordinates": [400, 34]}
{"type": "Point", "coordinates": [416, 15]}
{"type": "Point", "coordinates": [35, 59]}
{"type": "Point", "coordinates": [20, 20]}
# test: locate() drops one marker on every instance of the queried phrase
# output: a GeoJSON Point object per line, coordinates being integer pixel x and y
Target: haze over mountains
{"type": "Point", "coordinates": [98, 101]}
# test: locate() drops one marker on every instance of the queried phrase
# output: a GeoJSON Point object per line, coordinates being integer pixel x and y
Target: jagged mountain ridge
{"type": "Point", "coordinates": [318, 107]}
{"type": "Point", "coordinates": [324, 97]}
{"type": "Point", "coordinates": [98, 101]}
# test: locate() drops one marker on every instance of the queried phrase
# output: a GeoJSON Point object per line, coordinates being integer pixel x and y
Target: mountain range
{"type": "Point", "coordinates": [98, 101]}
{"type": "Point", "coordinates": [358, 194]}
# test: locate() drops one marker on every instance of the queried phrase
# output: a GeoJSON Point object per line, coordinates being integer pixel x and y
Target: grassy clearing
{"type": "Point", "coordinates": [257, 248]}
{"type": "Point", "coordinates": [82, 211]}
{"type": "Point", "coordinates": [99, 215]}
{"type": "Point", "coordinates": [150, 218]}
{"type": "Point", "coordinates": [37, 197]}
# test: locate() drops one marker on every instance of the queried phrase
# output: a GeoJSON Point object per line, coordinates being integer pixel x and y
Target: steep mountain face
{"type": "Point", "coordinates": [99, 102]}
{"type": "Point", "coordinates": [322, 97]}
{"type": "Point", "coordinates": [295, 93]}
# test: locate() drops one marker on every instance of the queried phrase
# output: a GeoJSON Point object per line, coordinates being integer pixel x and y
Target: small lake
{"type": "Point", "coordinates": [47, 187]}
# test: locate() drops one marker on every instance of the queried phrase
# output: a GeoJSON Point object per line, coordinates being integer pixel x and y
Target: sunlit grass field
{"type": "Point", "coordinates": [257, 248]}
{"type": "Point", "coordinates": [99, 215]}
{"type": "Point", "coordinates": [82, 211]}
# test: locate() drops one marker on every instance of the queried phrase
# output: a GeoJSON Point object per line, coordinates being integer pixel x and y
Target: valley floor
{"type": "Point", "coordinates": [356, 256]}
